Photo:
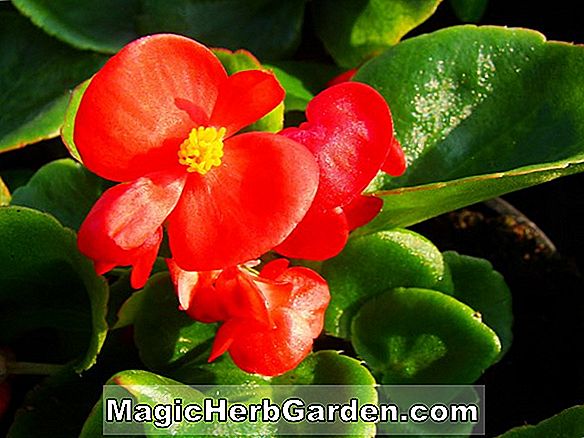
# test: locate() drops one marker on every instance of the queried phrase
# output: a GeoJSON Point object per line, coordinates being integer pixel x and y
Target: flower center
{"type": "Point", "coordinates": [202, 150]}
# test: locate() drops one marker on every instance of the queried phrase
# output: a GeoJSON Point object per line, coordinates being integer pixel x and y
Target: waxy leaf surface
{"type": "Point", "coordinates": [356, 30]}
{"type": "Point", "coordinates": [479, 286]}
{"type": "Point", "coordinates": [36, 74]}
{"type": "Point", "coordinates": [370, 265]}
{"type": "Point", "coordinates": [420, 336]}
{"type": "Point", "coordinates": [63, 188]}
{"type": "Point", "coordinates": [480, 111]}
{"type": "Point", "coordinates": [47, 286]}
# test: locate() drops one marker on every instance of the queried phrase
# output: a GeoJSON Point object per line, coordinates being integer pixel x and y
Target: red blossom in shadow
{"type": "Point", "coordinates": [269, 320]}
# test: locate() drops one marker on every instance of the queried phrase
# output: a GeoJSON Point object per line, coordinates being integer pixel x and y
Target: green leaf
{"type": "Point", "coordinates": [103, 26]}
{"type": "Point", "coordinates": [69, 121]}
{"type": "Point", "coordinates": [348, 378]}
{"type": "Point", "coordinates": [480, 112]}
{"type": "Point", "coordinates": [327, 368]}
{"type": "Point", "coordinates": [269, 29]}
{"type": "Point", "coordinates": [46, 285]}
{"type": "Point", "coordinates": [356, 30]}
{"type": "Point", "coordinates": [4, 194]}
{"type": "Point", "coordinates": [164, 334]}
{"type": "Point", "coordinates": [36, 74]}
{"type": "Point", "coordinates": [152, 389]}
{"type": "Point", "coordinates": [242, 60]}
{"type": "Point", "coordinates": [568, 423]}
{"type": "Point", "coordinates": [302, 80]}
{"type": "Point", "coordinates": [479, 286]}
{"type": "Point", "coordinates": [63, 188]}
{"type": "Point", "coordinates": [469, 11]}
{"type": "Point", "coordinates": [372, 264]}
{"type": "Point", "coordinates": [420, 336]}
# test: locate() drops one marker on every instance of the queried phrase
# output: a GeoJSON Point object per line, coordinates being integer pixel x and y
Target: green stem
{"type": "Point", "coordinates": [42, 369]}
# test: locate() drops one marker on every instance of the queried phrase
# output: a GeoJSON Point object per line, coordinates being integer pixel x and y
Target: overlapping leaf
{"type": "Point", "coordinates": [36, 74]}
{"type": "Point", "coordinates": [480, 112]}
{"type": "Point", "coordinates": [47, 286]}
{"type": "Point", "coordinates": [420, 336]}
{"type": "Point", "coordinates": [370, 265]}
{"type": "Point", "coordinates": [356, 30]}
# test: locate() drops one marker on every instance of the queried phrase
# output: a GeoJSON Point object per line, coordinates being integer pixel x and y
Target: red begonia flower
{"type": "Point", "coordinates": [350, 131]}
{"type": "Point", "coordinates": [161, 117]}
{"type": "Point", "coordinates": [270, 320]}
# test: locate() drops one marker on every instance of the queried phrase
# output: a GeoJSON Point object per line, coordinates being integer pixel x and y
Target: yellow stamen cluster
{"type": "Point", "coordinates": [202, 150]}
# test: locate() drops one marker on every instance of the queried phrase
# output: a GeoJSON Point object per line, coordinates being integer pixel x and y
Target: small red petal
{"type": "Point", "coordinates": [124, 227]}
{"type": "Point", "coordinates": [320, 235]}
{"type": "Point", "coordinates": [310, 296]}
{"type": "Point", "coordinates": [241, 297]}
{"type": "Point", "coordinates": [244, 98]}
{"type": "Point", "coordinates": [243, 208]}
{"type": "Point", "coordinates": [224, 339]}
{"type": "Point", "coordinates": [349, 130]}
{"type": "Point", "coordinates": [129, 112]}
{"type": "Point", "coordinates": [395, 162]}
{"type": "Point", "coordinates": [275, 268]}
{"type": "Point", "coordinates": [362, 210]}
{"type": "Point", "coordinates": [184, 282]}
{"type": "Point", "coordinates": [144, 259]}
{"type": "Point", "coordinates": [270, 352]}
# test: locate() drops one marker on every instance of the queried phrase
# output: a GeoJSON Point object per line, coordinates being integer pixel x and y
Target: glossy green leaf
{"type": "Point", "coordinates": [36, 74]}
{"type": "Point", "coordinates": [129, 310]}
{"type": "Point", "coordinates": [348, 377]}
{"type": "Point", "coordinates": [480, 112]}
{"type": "Point", "coordinates": [69, 121]}
{"type": "Point", "coordinates": [469, 11]}
{"type": "Point", "coordinates": [164, 334]}
{"type": "Point", "coordinates": [302, 80]}
{"type": "Point", "coordinates": [268, 29]}
{"type": "Point", "coordinates": [568, 423]}
{"type": "Point", "coordinates": [327, 368]}
{"type": "Point", "coordinates": [104, 26]}
{"type": "Point", "coordinates": [420, 336]}
{"type": "Point", "coordinates": [242, 60]}
{"type": "Point", "coordinates": [153, 389]}
{"type": "Point", "coordinates": [356, 30]}
{"type": "Point", "coordinates": [47, 286]}
{"type": "Point", "coordinates": [222, 371]}
{"type": "Point", "coordinates": [370, 265]}
{"type": "Point", "coordinates": [479, 286]}
{"type": "Point", "coordinates": [4, 194]}
{"type": "Point", "coordinates": [63, 188]}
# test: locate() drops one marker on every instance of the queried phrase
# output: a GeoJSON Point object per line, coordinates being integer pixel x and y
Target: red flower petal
{"type": "Point", "coordinates": [320, 235]}
{"type": "Point", "coordinates": [349, 129]}
{"type": "Point", "coordinates": [395, 162]}
{"type": "Point", "coordinates": [138, 107]}
{"type": "Point", "coordinates": [310, 295]}
{"type": "Point", "coordinates": [362, 210]}
{"type": "Point", "coordinates": [246, 206]}
{"type": "Point", "coordinates": [245, 97]}
{"type": "Point", "coordinates": [126, 222]}
{"type": "Point", "coordinates": [143, 259]}
{"type": "Point", "coordinates": [268, 351]}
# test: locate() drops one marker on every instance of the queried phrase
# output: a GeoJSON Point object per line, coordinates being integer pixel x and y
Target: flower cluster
{"type": "Point", "coordinates": [163, 119]}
